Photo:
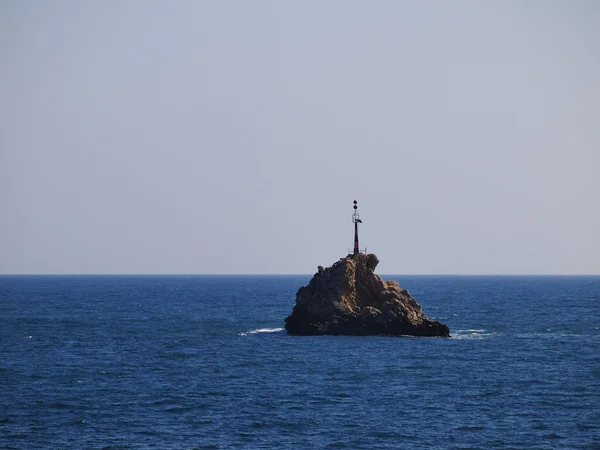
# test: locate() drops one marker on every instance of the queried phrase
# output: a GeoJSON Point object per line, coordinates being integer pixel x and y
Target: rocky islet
{"type": "Point", "coordinates": [349, 298]}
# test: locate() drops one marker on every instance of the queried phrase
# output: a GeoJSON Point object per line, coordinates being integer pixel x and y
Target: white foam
{"type": "Point", "coordinates": [262, 330]}
{"type": "Point", "coordinates": [470, 334]}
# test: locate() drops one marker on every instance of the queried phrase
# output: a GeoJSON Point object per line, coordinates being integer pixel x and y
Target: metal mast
{"type": "Point", "coordinates": [356, 220]}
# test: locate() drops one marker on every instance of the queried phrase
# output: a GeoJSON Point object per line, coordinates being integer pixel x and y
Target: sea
{"type": "Point", "coordinates": [203, 362]}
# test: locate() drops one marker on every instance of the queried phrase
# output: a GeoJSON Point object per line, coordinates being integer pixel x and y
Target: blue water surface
{"type": "Point", "coordinates": [203, 362]}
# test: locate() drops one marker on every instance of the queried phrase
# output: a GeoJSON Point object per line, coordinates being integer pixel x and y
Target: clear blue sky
{"type": "Point", "coordinates": [232, 136]}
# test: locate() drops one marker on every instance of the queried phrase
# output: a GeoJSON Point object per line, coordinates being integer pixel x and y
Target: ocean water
{"type": "Point", "coordinates": [127, 362]}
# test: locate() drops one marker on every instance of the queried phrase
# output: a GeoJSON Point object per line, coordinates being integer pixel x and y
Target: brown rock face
{"type": "Point", "coordinates": [349, 298]}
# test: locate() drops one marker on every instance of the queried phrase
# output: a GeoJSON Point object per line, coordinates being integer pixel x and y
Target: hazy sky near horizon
{"type": "Point", "coordinates": [232, 136]}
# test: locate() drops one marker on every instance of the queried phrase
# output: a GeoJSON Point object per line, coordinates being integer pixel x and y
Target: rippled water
{"type": "Point", "coordinates": [203, 362]}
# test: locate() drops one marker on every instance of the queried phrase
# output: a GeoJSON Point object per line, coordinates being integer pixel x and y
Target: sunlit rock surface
{"type": "Point", "coordinates": [350, 298]}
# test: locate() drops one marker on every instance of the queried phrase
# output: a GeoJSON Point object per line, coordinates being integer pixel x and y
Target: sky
{"type": "Point", "coordinates": [207, 136]}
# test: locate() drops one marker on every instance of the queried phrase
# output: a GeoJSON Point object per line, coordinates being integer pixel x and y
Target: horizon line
{"type": "Point", "coordinates": [146, 274]}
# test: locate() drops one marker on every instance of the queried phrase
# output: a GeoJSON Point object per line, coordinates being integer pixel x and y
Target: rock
{"type": "Point", "coordinates": [350, 298]}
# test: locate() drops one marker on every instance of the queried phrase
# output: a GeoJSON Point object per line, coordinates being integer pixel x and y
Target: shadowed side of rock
{"type": "Point", "coordinates": [350, 298]}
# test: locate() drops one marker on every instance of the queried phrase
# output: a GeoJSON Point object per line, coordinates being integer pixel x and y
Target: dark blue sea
{"type": "Point", "coordinates": [198, 362]}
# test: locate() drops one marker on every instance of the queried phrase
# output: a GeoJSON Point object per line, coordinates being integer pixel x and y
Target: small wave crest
{"type": "Point", "coordinates": [262, 331]}
{"type": "Point", "coordinates": [471, 334]}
